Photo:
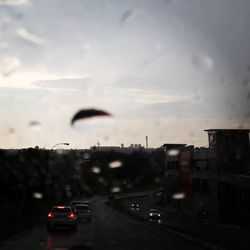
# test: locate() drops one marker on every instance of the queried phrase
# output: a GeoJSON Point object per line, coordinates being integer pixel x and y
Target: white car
{"type": "Point", "coordinates": [61, 216]}
{"type": "Point", "coordinates": [154, 214]}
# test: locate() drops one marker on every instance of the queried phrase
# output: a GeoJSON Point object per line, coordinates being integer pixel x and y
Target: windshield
{"type": "Point", "coordinates": [136, 106]}
{"type": "Point", "coordinates": [83, 208]}
{"type": "Point", "coordinates": [61, 210]}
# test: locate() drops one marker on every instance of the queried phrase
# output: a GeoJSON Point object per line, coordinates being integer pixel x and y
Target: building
{"type": "Point", "coordinates": [122, 149]}
{"type": "Point", "coordinates": [211, 182]}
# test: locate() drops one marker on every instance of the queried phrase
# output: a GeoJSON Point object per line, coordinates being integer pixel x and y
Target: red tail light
{"type": "Point", "coordinates": [50, 215]}
{"type": "Point", "coordinates": [71, 216]}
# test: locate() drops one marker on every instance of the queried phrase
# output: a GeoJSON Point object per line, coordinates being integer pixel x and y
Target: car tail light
{"type": "Point", "coordinates": [71, 216]}
{"type": "Point", "coordinates": [50, 215]}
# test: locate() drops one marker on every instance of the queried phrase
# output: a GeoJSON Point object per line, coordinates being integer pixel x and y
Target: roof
{"type": "Point", "coordinates": [173, 145]}
{"type": "Point", "coordinates": [234, 129]}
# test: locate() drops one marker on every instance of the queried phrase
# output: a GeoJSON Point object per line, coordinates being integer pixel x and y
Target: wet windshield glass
{"type": "Point", "coordinates": [137, 106]}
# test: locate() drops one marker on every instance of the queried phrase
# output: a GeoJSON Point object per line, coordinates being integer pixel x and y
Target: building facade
{"type": "Point", "coordinates": [213, 182]}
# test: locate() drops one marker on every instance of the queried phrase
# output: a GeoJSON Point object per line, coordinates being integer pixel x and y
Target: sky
{"type": "Point", "coordinates": [168, 69]}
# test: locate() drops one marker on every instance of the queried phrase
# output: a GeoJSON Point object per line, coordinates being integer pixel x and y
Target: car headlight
{"type": "Point", "coordinates": [159, 215]}
{"type": "Point", "coordinates": [151, 214]}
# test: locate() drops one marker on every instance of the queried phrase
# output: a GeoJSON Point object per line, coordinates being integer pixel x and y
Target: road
{"type": "Point", "coordinates": [107, 230]}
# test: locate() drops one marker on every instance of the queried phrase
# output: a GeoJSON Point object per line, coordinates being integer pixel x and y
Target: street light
{"type": "Point", "coordinates": [61, 143]}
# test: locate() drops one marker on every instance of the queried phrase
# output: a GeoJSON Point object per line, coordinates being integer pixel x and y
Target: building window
{"type": "Point", "coordinates": [196, 185]}
{"type": "Point", "coordinates": [205, 165]}
{"type": "Point", "coordinates": [197, 165]}
{"type": "Point", "coordinates": [205, 187]}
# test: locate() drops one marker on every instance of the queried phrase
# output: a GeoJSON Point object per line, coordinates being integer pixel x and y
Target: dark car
{"type": "Point", "coordinates": [135, 206]}
{"type": "Point", "coordinates": [83, 212]}
{"type": "Point", "coordinates": [61, 216]}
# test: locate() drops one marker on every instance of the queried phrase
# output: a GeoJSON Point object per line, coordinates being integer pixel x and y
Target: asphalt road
{"type": "Point", "coordinates": [107, 230]}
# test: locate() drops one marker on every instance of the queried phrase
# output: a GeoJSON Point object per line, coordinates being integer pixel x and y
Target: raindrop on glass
{"type": "Point", "coordinates": [178, 196]}
{"type": "Point", "coordinates": [30, 37]}
{"type": "Point", "coordinates": [115, 164]}
{"type": "Point", "coordinates": [203, 61]}
{"type": "Point", "coordinates": [246, 83]}
{"type": "Point", "coordinates": [173, 152]}
{"type": "Point", "coordinates": [37, 195]}
{"type": "Point", "coordinates": [35, 125]}
{"type": "Point", "coordinates": [86, 156]}
{"type": "Point", "coordinates": [96, 170]}
{"type": "Point", "coordinates": [248, 96]}
{"type": "Point", "coordinates": [115, 189]}
{"type": "Point", "coordinates": [9, 65]}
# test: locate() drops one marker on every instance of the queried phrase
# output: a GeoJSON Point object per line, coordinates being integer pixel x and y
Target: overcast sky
{"type": "Point", "coordinates": [165, 68]}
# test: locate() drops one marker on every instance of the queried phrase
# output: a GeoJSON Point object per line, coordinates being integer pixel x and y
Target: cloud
{"type": "Point", "coordinates": [9, 65]}
{"type": "Point", "coordinates": [65, 84]}
{"type": "Point", "coordinates": [14, 2]}
{"type": "Point", "coordinates": [28, 93]}
{"type": "Point", "coordinates": [181, 109]}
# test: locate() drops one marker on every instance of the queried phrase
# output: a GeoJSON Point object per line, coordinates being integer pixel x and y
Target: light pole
{"type": "Point", "coordinates": [61, 143]}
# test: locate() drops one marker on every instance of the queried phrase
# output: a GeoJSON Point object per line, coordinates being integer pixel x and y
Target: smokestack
{"type": "Point", "coordinates": [146, 141]}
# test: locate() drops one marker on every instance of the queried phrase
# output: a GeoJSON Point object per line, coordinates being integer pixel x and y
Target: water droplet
{"type": "Point", "coordinates": [203, 61]}
{"type": "Point", "coordinates": [9, 65]}
{"type": "Point", "coordinates": [248, 96]}
{"type": "Point", "coordinates": [96, 170]}
{"type": "Point", "coordinates": [125, 16]}
{"type": "Point", "coordinates": [86, 156]}
{"type": "Point", "coordinates": [30, 37]}
{"type": "Point", "coordinates": [86, 46]}
{"type": "Point", "coordinates": [4, 45]}
{"type": "Point", "coordinates": [106, 138]}
{"type": "Point", "coordinates": [89, 113]}
{"type": "Point", "coordinates": [246, 83]}
{"type": "Point", "coordinates": [115, 164]}
{"type": "Point", "coordinates": [37, 195]}
{"type": "Point", "coordinates": [178, 196]}
{"type": "Point", "coordinates": [173, 152]}
{"type": "Point", "coordinates": [158, 47]}
{"type": "Point", "coordinates": [157, 180]}
{"type": "Point", "coordinates": [4, 19]}
{"type": "Point", "coordinates": [11, 131]}
{"type": "Point", "coordinates": [35, 125]}
{"type": "Point", "coordinates": [115, 189]}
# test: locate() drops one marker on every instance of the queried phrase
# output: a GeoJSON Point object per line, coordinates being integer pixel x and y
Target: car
{"type": "Point", "coordinates": [154, 214]}
{"type": "Point", "coordinates": [74, 203]}
{"type": "Point", "coordinates": [83, 212]}
{"type": "Point", "coordinates": [61, 216]}
{"type": "Point", "coordinates": [85, 202]}
{"type": "Point", "coordinates": [135, 206]}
